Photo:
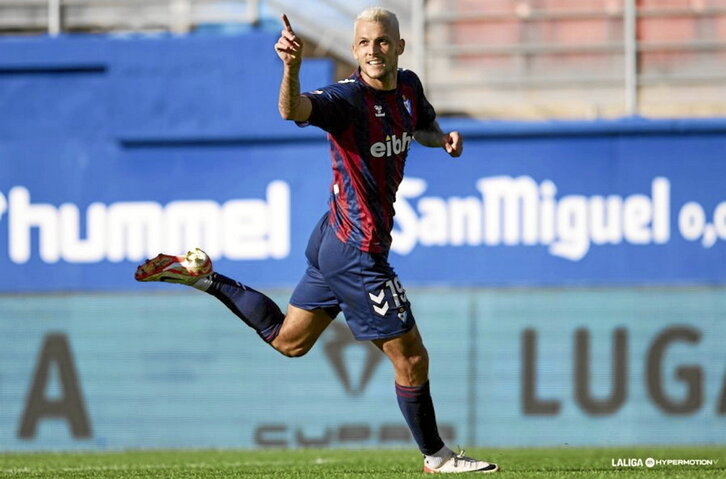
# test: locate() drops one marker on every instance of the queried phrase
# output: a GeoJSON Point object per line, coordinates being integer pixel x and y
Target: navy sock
{"type": "Point", "coordinates": [254, 308]}
{"type": "Point", "coordinates": [418, 409]}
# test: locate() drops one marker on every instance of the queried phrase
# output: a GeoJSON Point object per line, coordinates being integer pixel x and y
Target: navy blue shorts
{"type": "Point", "coordinates": [362, 285]}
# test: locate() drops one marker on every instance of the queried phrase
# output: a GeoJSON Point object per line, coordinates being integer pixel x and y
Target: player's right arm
{"type": "Point", "coordinates": [291, 104]}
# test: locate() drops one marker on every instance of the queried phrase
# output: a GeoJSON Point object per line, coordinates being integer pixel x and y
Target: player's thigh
{"type": "Point", "coordinates": [407, 345]}
{"type": "Point", "coordinates": [301, 329]}
{"type": "Point", "coordinates": [312, 307]}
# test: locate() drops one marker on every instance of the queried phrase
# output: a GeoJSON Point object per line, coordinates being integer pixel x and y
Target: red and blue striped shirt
{"type": "Point", "coordinates": [370, 132]}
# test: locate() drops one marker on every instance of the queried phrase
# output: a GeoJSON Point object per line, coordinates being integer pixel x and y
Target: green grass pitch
{"type": "Point", "coordinates": [332, 463]}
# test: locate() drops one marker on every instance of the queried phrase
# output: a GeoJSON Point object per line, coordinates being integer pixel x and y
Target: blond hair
{"type": "Point", "coordinates": [379, 14]}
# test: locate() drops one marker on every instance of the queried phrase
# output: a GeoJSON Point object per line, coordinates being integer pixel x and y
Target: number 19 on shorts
{"type": "Point", "coordinates": [381, 304]}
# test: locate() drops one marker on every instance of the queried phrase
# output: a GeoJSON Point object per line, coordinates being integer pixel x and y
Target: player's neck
{"type": "Point", "coordinates": [389, 82]}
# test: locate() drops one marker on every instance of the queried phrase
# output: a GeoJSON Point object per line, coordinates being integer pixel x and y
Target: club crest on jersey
{"type": "Point", "coordinates": [379, 111]}
{"type": "Point", "coordinates": [392, 146]}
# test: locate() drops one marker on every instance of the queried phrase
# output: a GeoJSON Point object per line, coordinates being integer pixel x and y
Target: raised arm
{"type": "Point", "coordinates": [433, 137]}
{"type": "Point", "coordinates": [289, 47]}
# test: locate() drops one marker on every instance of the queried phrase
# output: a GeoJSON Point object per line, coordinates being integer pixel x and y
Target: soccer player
{"type": "Point", "coordinates": [371, 119]}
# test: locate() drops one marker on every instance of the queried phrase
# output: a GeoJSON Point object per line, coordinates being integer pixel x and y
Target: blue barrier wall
{"type": "Point", "coordinates": [113, 149]}
{"type": "Point", "coordinates": [508, 368]}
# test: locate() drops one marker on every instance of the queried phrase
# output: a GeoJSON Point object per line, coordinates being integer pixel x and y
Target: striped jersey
{"type": "Point", "coordinates": [370, 132]}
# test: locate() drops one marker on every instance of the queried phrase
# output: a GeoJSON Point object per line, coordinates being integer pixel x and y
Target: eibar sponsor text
{"type": "Point", "coordinates": [392, 146]}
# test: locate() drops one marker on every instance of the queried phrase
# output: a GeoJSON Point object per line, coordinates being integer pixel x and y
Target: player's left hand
{"type": "Point", "coordinates": [453, 143]}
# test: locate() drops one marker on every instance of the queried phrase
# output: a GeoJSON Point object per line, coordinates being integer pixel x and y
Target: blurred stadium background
{"type": "Point", "coordinates": [567, 273]}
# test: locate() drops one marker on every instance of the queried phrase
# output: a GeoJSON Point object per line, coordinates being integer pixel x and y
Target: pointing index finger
{"type": "Point", "coordinates": [286, 22]}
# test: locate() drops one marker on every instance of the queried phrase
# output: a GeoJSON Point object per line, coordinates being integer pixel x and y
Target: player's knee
{"type": "Point", "coordinates": [292, 350]}
{"type": "Point", "coordinates": [295, 352]}
{"type": "Point", "coordinates": [418, 362]}
{"type": "Point", "coordinates": [413, 365]}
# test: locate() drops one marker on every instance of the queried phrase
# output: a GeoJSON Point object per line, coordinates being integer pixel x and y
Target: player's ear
{"type": "Point", "coordinates": [401, 46]}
